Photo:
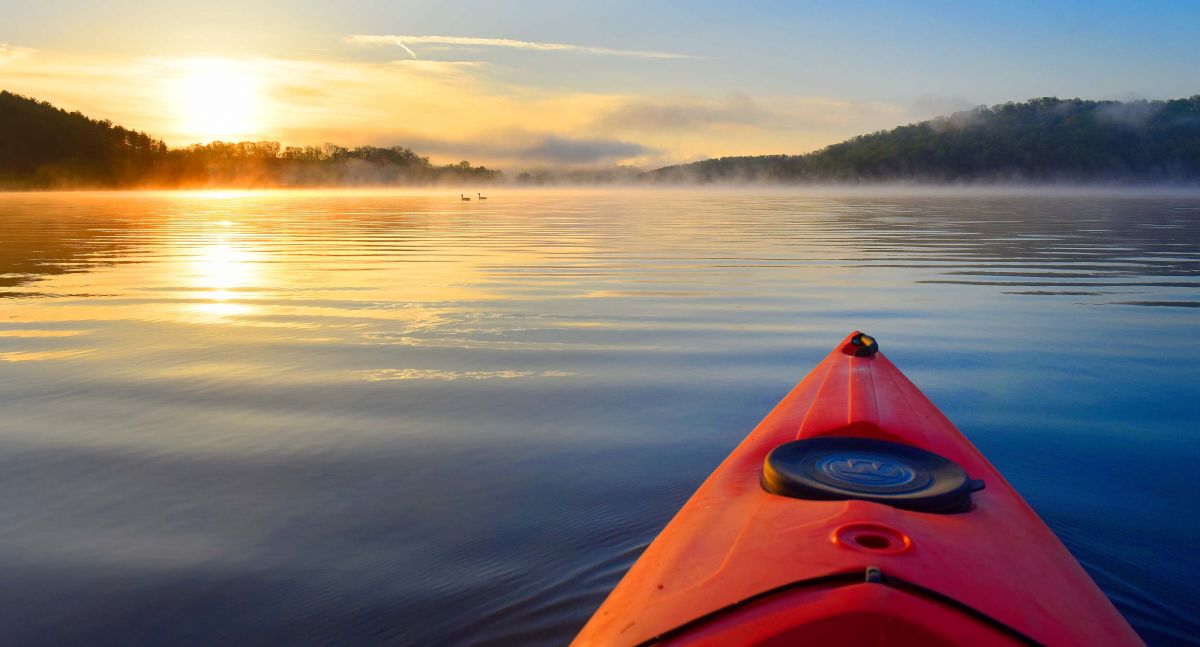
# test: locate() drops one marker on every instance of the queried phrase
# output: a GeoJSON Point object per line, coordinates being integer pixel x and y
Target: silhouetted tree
{"type": "Point", "coordinates": [45, 147]}
{"type": "Point", "coordinates": [1047, 139]}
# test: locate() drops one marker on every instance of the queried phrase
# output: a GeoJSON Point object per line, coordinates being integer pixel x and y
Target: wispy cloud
{"type": "Point", "coordinates": [450, 110]}
{"type": "Point", "coordinates": [567, 150]}
{"type": "Point", "coordinates": [13, 52]}
{"type": "Point", "coordinates": [655, 114]}
{"type": "Point", "coordinates": [524, 146]}
{"type": "Point", "coordinates": [404, 42]}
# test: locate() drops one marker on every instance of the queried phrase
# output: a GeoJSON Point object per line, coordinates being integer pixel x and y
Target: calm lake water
{"type": "Point", "coordinates": [300, 418]}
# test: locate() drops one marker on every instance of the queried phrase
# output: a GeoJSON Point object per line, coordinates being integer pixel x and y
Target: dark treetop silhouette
{"type": "Point", "coordinates": [45, 147]}
{"type": "Point", "coordinates": [1041, 140]}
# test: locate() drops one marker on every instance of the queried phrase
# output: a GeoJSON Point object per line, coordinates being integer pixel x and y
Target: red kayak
{"type": "Point", "coordinates": [856, 514]}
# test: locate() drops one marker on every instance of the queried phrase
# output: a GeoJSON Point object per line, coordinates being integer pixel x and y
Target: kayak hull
{"type": "Point", "coordinates": [740, 565]}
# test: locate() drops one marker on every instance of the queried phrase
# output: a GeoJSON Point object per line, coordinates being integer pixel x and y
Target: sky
{"type": "Point", "coordinates": [574, 83]}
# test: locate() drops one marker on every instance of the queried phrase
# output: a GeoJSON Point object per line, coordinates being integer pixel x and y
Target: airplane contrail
{"type": "Point", "coordinates": [508, 43]}
{"type": "Point", "coordinates": [406, 48]}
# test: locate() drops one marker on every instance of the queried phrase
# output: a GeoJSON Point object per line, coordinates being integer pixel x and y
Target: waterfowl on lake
{"type": "Point", "coordinates": [481, 196]}
{"type": "Point", "coordinates": [463, 198]}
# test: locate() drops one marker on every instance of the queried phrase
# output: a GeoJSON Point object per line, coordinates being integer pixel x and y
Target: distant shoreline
{"type": "Point", "coordinates": [1033, 143]}
{"type": "Point", "coordinates": [499, 191]}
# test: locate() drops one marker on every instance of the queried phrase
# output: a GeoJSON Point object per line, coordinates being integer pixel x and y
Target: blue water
{"type": "Point", "coordinates": [300, 418]}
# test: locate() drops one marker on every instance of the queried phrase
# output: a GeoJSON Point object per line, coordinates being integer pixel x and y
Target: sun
{"type": "Point", "coordinates": [217, 99]}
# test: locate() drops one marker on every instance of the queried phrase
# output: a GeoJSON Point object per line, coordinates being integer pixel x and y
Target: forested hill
{"type": "Point", "coordinates": [39, 143]}
{"type": "Point", "coordinates": [1041, 140]}
{"type": "Point", "coordinates": [42, 146]}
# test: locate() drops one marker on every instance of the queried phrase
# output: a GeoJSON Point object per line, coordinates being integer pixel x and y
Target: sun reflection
{"type": "Point", "coordinates": [224, 271]}
{"type": "Point", "coordinates": [217, 194]}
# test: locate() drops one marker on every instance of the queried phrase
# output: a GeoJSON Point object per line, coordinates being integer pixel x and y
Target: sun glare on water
{"type": "Point", "coordinates": [217, 99]}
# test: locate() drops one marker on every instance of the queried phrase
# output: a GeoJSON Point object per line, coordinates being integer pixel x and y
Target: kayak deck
{"type": "Point", "coordinates": [740, 565]}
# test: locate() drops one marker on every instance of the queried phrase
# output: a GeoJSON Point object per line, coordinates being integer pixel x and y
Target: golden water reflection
{"type": "Point", "coordinates": [225, 271]}
{"type": "Point", "coordinates": [280, 395]}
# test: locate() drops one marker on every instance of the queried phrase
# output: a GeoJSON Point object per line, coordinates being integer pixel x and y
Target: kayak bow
{"type": "Point", "coordinates": [856, 513]}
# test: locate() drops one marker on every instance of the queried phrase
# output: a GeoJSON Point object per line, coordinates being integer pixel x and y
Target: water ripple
{"type": "Point", "coordinates": [305, 417]}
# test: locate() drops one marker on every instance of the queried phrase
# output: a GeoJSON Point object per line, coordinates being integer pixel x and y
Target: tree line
{"type": "Point", "coordinates": [45, 147]}
{"type": "Point", "coordinates": [1040, 140]}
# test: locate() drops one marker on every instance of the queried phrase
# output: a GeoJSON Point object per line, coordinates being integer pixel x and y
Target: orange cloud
{"type": "Point", "coordinates": [448, 110]}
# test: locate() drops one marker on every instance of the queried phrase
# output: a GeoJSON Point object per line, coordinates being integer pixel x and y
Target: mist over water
{"type": "Point", "coordinates": [395, 417]}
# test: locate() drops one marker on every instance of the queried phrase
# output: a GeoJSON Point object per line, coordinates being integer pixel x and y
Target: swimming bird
{"type": "Point", "coordinates": [481, 196]}
{"type": "Point", "coordinates": [463, 198]}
